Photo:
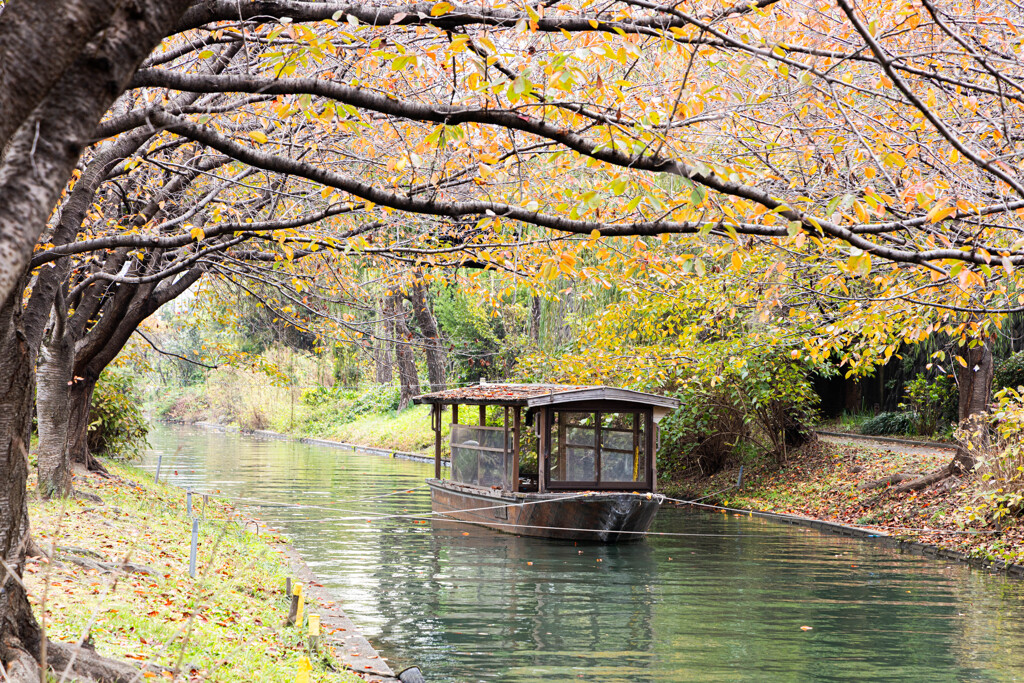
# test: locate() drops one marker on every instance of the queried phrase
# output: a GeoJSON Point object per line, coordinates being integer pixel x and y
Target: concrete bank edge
{"type": "Point", "coordinates": [914, 547]}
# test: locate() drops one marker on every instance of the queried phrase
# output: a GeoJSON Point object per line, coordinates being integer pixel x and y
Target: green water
{"type": "Point", "coordinates": [724, 603]}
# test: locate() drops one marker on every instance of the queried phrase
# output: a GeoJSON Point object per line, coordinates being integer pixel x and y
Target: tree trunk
{"type": "Point", "coordinates": [408, 376]}
{"type": "Point", "coordinates": [53, 407]}
{"type": "Point", "coordinates": [437, 359]}
{"type": "Point", "coordinates": [382, 364]}
{"type": "Point", "coordinates": [19, 631]}
{"type": "Point", "coordinates": [975, 385]}
{"type": "Point", "coordinates": [535, 319]}
{"type": "Point", "coordinates": [78, 424]}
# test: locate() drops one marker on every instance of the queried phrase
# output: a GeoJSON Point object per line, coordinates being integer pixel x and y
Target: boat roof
{"type": "Point", "coordinates": [533, 395]}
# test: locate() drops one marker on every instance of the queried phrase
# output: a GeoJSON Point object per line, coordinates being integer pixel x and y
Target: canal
{"type": "Point", "coordinates": [729, 598]}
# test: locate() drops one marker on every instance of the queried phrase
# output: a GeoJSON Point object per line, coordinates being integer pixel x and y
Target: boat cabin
{"type": "Point", "coordinates": [548, 437]}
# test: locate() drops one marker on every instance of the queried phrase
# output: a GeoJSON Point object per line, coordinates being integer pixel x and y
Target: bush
{"type": "Point", "coordinates": [935, 401]}
{"type": "Point", "coordinates": [999, 456]}
{"type": "Point", "coordinates": [763, 406]}
{"type": "Point", "coordinates": [334, 407]}
{"type": "Point", "coordinates": [1009, 372]}
{"type": "Point", "coordinates": [888, 424]}
{"type": "Point", "coordinates": [117, 426]}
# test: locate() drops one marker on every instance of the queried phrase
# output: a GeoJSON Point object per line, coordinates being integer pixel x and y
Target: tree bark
{"type": "Point", "coordinates": [53, 406]}
{"type": "Point", "coordinates": [437, 359]}
{"type": "Point", "coordinates": [19, 631]}
{"type": "Point", "coordinates": [65, 107]}
{"type": "Point", "coordinates": [382, 363]}
{"type": "Point", "coordinates": [80, 398]}
{"type": "Point", "coordinates": [408, 376]}
{"type": "Point", "coordinates": [975, 386]}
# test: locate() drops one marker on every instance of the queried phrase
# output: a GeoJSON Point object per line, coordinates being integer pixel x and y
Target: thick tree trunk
{"type": "Point", "coordinates": [78, 423]}
{"type": "Point", "coordinates": [975, 385]}
{"type": "Point", "coordinates": [408, 376]}
{"type": "Point", "coordinates": [19, 631]}
{"type": "Point", "coordinates": [53, 408]}
{"type": "Point", "coordinates": [437, 359]}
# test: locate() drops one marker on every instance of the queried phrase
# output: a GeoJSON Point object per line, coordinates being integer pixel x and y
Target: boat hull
{"type": "Point", "coordinates": [586, 516]}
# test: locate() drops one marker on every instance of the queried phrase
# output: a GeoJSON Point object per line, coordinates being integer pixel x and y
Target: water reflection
{"type": "Point", "coordinates": [725, 600]}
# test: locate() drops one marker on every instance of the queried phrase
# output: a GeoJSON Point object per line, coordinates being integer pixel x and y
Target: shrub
{"type": "Point", "coordinates": [888, 424]}
{"type": "Point", "coordinates": [1009, 372]}
{"type": "Point", "coordinates": [117, 426]}
{"type": "Point", "coordinates": [705, 431]}
{"type": "Point", "coordinates": [935, 401]}
{"type": "Point", "coordinates": [998, 450]}
{"type": "Point", "coordinates": [763, 405]}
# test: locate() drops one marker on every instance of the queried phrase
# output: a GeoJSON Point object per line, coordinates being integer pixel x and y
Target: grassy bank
{"type": "Point", "coordinates": [828, 481]}
{"type": "Point", "coordinates": [224, 625]}
{"type": "Point", "coordinates": [368, 417]}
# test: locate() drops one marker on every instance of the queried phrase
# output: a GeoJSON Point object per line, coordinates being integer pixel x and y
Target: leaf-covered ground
{"type": "Point", "coordinates": [823, 480]}
{"type": "Point", "coordinates": [225, 625]}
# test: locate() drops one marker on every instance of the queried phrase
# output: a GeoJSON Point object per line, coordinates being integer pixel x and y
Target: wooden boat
{"type": "Point", "coordinates": [588, 460]}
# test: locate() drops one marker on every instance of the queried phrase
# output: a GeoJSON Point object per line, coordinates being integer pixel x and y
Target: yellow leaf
{"type": "Point", "coordinates": [441, 8]}
{"type": "Point", "coordinates": [259, 136]}
{"type": "Point", "coordinates": [197, 233]}
{"type": "Point", "coordinates": [737, 261]}
{"type": "Point", "coordinates": [940, 211]}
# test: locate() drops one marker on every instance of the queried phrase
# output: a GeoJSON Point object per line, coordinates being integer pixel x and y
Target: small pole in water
{"type": "Point", "coordinates": [159, 461]}
{"type": "Point", "coordinates": [739, 480]}
{"type": "Point", "coordinates": [192, 550]}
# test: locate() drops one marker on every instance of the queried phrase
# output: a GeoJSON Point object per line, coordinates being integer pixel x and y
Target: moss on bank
{"type": "Point", "coordinates": [225, 625]}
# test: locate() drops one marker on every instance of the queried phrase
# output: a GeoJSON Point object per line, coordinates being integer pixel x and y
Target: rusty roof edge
{"type": "Point", "coordinates": [603, 393]}
{"type": "Point", "coordinates": [554, 394]}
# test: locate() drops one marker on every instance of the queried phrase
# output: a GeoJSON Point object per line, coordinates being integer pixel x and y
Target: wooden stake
{"type": "Point", "coordinates": [304, 668]}
{"type": "Point", "coordinates": [314, 631]}
{"type": "Point", "coordinates": [193, 549]}
{"type": "Point", "coordinates": [302, 603]}
{"type": "Point", "coordinates": [295, 609]}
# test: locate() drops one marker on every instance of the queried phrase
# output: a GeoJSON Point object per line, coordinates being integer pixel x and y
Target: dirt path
{"type": "Point", "coordinates": [894, 445]}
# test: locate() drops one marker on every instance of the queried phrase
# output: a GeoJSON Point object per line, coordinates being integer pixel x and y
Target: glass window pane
{"type": "Point", "coordinates": [581, 464]}
{"type": "Point", "coordinates": [622, 421]}
{"type": "Point", "coordinates": [622, 441]}
{"type": "Point", "coordinates": [619, 466]}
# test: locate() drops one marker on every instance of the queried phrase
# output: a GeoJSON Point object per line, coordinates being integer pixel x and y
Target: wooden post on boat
{"type": "Point", "coordinates": [435, 416]}
{"type": "Point", "coordinates": [516, 425]}
{"type": "Point", "coordinates": [483, 415]}
{"type": "Point", "coordinates": [543, 448]}
{"type": "Point", "coordinates": [506, 484]}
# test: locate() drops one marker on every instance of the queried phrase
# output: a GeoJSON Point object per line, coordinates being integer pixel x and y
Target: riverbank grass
{"type": "Point", "coordinates": [831, 481]}
{"type": "Point", "coordinates": [224, 625]}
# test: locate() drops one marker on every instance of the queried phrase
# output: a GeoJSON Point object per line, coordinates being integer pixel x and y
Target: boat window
{"type": "Point", "coordinates": [477, 455]}
{"type": "Point", "coordinates": [586, 445]}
